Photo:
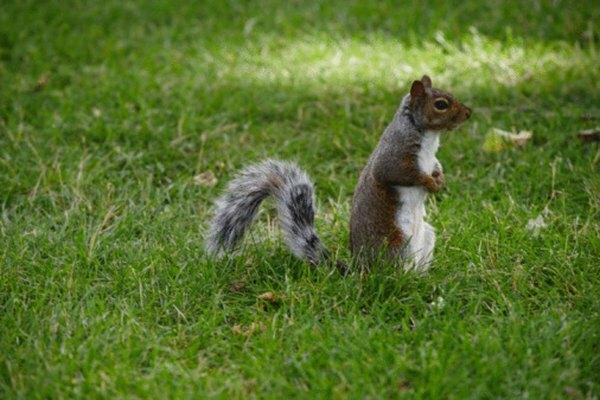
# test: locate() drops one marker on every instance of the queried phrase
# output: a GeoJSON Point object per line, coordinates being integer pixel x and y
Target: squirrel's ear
{"type": "Point", "coordinates": [417, 90]}
{"type": "Point", "coordinates": [426, 81]}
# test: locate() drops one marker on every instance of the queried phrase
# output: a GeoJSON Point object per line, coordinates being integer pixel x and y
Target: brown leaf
{"type": "Point", "coordinates": [589, 135]}
{"type": "Point", "coordinates": [206, 178]}
{"type": "Point", "coordinates": [237, 286]}
{"type": "Point", "coordinates": [269, 297]}
{"type": "Point", "coordinates": [248, 330]}
{"type": "Point", "coordinates": [238, 329]}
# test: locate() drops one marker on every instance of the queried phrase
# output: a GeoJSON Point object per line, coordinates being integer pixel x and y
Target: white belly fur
{"type": "Point", "coordinates": [411, 213]}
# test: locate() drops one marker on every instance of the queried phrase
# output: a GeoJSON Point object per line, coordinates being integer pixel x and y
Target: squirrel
{"type": "Point", "coordinates": [388, 206]}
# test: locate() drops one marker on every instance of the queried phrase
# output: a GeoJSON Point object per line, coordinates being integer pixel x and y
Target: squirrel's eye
{"type": "Point", "coordinates": [441, 104]}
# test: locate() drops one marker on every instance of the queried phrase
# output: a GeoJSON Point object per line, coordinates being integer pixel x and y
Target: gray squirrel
{"type": "Point", "coordinates": [388, 207]}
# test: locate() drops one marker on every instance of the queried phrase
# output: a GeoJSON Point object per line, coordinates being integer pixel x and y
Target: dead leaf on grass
{"type": "Point", "coordinates": [237, 286]}
{"type": "Point", "coordinates": [589, 135]}
{"type": "Point", "coordinates": [248, 330]}
{"type": "Point", "coordinates": [269, 297]}
{"type": "Point", "coordinates": [206, 178]}
{"type": "Point", "coordinates": [497, 140]}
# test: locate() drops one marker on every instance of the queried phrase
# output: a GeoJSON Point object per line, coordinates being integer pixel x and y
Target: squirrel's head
{"type": "Point", "coordinates": [435, 109]}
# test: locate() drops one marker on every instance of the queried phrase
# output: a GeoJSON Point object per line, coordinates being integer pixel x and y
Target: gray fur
{"type": "Point", "coordinates": [371, 206]}
{"type": "Point", "coordinates": [293, 193]}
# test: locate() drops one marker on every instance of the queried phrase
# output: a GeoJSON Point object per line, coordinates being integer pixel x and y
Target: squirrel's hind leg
{"type": "Point", "coordinates": [418, 254]}
{"type": "Point", "coordinates": [428, 246]}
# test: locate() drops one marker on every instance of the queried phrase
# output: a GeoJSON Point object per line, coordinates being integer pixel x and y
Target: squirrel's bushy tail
{"type": "Point", "coordinates": [293, 193]}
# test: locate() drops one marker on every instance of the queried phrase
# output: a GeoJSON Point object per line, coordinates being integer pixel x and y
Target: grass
{"type": "Point", "coordinates": [109, 110]}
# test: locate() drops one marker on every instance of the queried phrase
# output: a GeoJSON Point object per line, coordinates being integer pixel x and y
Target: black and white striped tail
{"type": "Point", "coordinates": [293, 193]}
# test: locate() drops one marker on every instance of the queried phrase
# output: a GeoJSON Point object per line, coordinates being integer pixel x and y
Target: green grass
{"type": "Point", "coordinates": [108, 110]}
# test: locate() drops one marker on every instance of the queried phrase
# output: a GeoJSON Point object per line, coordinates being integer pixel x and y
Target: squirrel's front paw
{"type": "Point", "coordinates": [436, 181]}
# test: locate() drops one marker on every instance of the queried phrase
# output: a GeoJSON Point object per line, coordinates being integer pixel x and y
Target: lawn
{"type": "Point", "coordinates": [116, 115]}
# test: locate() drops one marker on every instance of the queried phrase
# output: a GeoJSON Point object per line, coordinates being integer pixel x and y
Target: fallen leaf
{"type": "Point", "coordinates": [517, 138]}
{"type": "Point", "coordinates": [589, 135]}
{"type": "Point", "coordinates": [537, 224]}
{"type": "Point", "coordinates": [237, 286]}
{"type": "Point", "coordinates": [520, 139]}
{"type": "Point", "coordinates": [238, 329]}
{"type": "Point", "coordinates": [248, 330]}
{"type": "Point", "coordinates": [96, 112]}
{"type": "Point", "coordinates": [497, 140]}
{"type": "Point", "coordinates": [269, 297]}
{"type": "Point", "coordinates": [206, 178]}
{"type": "Point", "coordinates": [493, 143]}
